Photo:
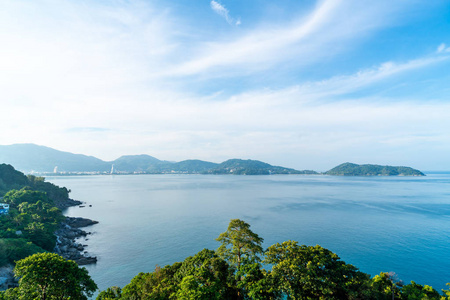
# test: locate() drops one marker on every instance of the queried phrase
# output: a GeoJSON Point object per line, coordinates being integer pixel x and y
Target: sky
{"type": "Point", "coordinates": [302, 84]}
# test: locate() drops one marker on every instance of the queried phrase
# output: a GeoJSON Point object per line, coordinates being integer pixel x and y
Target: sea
{"type": "Point", "coordinates": [378, 224]}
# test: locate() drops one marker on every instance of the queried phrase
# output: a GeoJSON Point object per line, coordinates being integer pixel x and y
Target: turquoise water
{"type": "Point", "coordinates": [399, 224]}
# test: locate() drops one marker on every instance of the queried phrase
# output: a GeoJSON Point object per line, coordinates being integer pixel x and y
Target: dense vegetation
{"type": "Point", "coordinates": [235, 271]}
{"type": "Point", "coordinates": [49, 276]}
{"type": "Point", "coordinates": [349, 169]}
{"type": "Point", "coordinates": [11, 179]}
{"type": "Point", "coordinates": [33, 218]}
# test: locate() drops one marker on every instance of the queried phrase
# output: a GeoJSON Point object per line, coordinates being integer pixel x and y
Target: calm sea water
{"type": "Point", "coordinates": [399, 224]}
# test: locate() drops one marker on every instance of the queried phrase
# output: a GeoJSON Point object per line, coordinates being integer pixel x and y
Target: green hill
{"type": "Point", "coordinates": [11, 179]}
{"type": "Point", "coordinates": [349, 169]}
{"type": "Point", "coordinates": [134, 163]}
{"type": "Point", "coordinates": [252, 167]}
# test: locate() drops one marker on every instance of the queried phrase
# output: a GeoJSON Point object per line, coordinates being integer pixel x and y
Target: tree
{"type": "Point", "coordinates": [386, 286]}
{"type": "Point", "coordinates": [159, 284]}
{"type": "Point", "coordinates": [239, 244]}
{"type": "Point", "coordinates": [446, 293]}
{"type": "Point", "coordinates": [256, 283]}
{"type": "Point", "coordinates": [110, 293]}
{"type": "Point", "coordinates": [15, 197]}
{"type": "Point", "coordinates": [240, 247]}
{"type": "Point", "coordinates": [49, 276]}
{"type": "Point", "coordinates": [414, 291]}
{"type": "Point", "coordinates": [311, 272]}
{"type": "Point", "coordinates": [205, 276]}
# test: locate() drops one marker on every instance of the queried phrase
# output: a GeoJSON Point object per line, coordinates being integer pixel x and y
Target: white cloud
{"type": "Point", "coordinates": [443, 48]}
{"type": "Point", "coordinates": [343, 84]}
{"type": "Point", "coordinates": [225, 13]}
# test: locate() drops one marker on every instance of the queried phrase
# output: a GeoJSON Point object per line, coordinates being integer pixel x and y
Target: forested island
{"type": "Point", "coordinates": [349, 169]}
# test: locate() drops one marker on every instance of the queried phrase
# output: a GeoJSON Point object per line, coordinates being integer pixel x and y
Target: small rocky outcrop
{"type": "Point", "coordinates": [7, 279]}
{"type": "Point", "coordinates": [67, 244]}
{"type": "Point", "coordinates": [65, 203]}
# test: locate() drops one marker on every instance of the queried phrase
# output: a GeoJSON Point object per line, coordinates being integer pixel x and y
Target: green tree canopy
{"type": "Point", "coordinates": [110, 293]}
{"type": "Point", "coordinates": [49, 276]}
{"type": "Point", "coordinates": [159, 284]}
{"type": "Point", "coordinates": [25, 194]}
{"type": "Point", "coordinates": [311, 272]}
{"type": "Point", "coordinates": [240, 244]}
{"type": "Point", "coordinates": [205, 276]}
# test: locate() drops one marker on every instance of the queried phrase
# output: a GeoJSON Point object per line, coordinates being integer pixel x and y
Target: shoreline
{"type": "Point", "coordinates": [66, 240]}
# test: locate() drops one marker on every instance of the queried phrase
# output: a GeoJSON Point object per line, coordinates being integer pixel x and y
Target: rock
{"type": "Point", "coordinates": [7, 279]}
{"type": "Point", "coordinates": [61, 204]}
{"type": "Point", "coordinates": [67, 235]}
{"type": "Point", "coordinates": [86, 260]}
{"type": "Point", "coordinates": [79, 222]}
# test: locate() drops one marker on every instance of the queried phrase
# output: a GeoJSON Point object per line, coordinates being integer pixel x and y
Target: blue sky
{"type": "Point", "coordinates": [303, 84]}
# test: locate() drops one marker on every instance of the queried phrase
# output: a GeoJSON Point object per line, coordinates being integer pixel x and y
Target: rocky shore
{"type": "Point", "coordinates": [7, 279]}
{"type": "Point", "coordinates": [66, 203]}
{"type": "Point", "coordinates": [66, 243]}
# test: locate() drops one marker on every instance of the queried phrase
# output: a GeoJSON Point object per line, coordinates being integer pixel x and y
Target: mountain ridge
{"type": "Point", "coordinates": [31, 158]}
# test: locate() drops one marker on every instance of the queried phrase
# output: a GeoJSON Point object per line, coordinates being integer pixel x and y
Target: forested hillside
{"type": "Point", "coordinates": [10, 179]}
{"type": "Point", "coordinates": [349, 169]}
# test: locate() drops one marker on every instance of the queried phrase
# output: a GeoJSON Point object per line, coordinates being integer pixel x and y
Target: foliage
{"type": "Point", "coordinates": [110, 293]}
{"type": "Point", "coordinates": [159, 284]}
{"type": "Point", "coordinates": [239, 244]}
{"type": "Point", "coordinates": [385, 286]}
{"type": "Point", "coordinates": [26, 194]}
{"type": "Point", "coordinates": [414, 291]}
{"type": "Point", "coordinates": [446, 293]}
{"type": "Point", "coordinates": [11, 179]}
{"type": "Point", "coordinates": [49, 276]}
{"type": "Point", "coordinates": [206, 276]}
{"type": "Point", "coordinates": [55, 193]}
{"type": "Point", "coordinates": [256, 283]}
{"type": "Point", "coordinates": [310, 272]}
{"type": "Point", "coordinates": [12, 250]}
{"type": "Point", "coordinates": [202, 276]}
{"type": "Point", "coordinates": [33, 215]}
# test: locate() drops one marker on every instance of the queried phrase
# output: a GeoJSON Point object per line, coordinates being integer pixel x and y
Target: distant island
{"type": "Point", "coordinates": [349, 169]}
{"type": "Point", "coordinates": [34, 159]}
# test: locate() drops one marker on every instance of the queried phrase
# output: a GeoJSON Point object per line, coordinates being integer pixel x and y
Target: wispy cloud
{"type": "Point", "coordinates": [343, 84]}
{"type": "Point", "coordinates": [443, 49]}
{"type": "Point", "coordinates": [302, 41]}
{"type": "Point", "coordinates": [225, 13]}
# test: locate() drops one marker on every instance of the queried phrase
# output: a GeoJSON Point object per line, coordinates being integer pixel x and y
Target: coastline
{"type": "Point", "coordinates": [66, 240]}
